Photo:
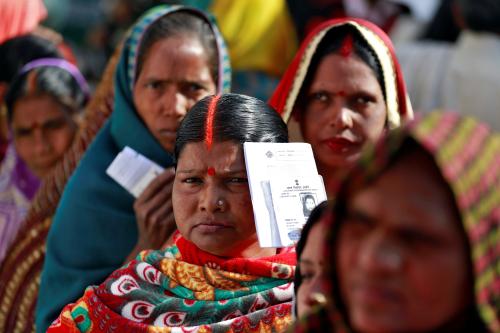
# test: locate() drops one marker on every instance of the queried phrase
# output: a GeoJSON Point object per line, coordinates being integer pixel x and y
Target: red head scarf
{"type": "Point", "coordinates": [397, 102]}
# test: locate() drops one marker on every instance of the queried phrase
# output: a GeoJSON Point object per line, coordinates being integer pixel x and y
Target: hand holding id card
{"type": "Point", "coordinates": [285, 186]}
{"type": "Point", "coordinates": [133, 171]}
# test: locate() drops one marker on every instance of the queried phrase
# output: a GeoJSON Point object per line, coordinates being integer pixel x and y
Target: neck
{"type": "Point", "coordinates": [331, 177]}
{"type": "Point", "coordinates": [256, 251]}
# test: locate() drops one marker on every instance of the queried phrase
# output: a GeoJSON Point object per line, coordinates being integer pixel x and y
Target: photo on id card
{"type": "Point", "coordinates": [294, 199]}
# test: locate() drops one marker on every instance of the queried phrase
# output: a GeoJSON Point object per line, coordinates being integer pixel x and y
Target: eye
{"type": "Point", "coordinates": [55, 124]}
{"type": "Point", "coordinates": [362, 100]}
{"type": "Point", "coordinates": [154, 85]}
{"type": "Point", "coordinates": [415, 238]}
{"type": "Point", "coordinates": [307, 274]}
{"type": "Point", "coordinates": [356, 223]}
{"type": "Point", "coordinates": [237, 180]}
{"type": "Point", "coordinates": [192, 89]}
{"type": "Point", "coordinates": [320, 96]}
{"type": "Point", "coordinates": [22, 132]}
{"type": "Point", "coordinates": [192, 180]}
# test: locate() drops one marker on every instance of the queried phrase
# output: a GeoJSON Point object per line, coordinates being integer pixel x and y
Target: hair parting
{"type": "Point", "coordinates": [209, 125]}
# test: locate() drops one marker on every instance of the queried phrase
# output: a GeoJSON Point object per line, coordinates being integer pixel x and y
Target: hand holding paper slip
{"type": "Point", "coordinates": [133, 171]}
{"type": "Point", "coordinates": [285, 186]}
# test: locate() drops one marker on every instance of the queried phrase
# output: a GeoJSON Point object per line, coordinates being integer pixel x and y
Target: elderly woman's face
{"type": "Point", "coordinates": [211, 198]}
{"type": "Point", "coordinates": [402, 259]}
{"type": "Point", "coordinates": [344, 109]}
{"type": "Point", "coordinates": [43, 131]}
{"type": "Point", "coordinates": [174, 76]}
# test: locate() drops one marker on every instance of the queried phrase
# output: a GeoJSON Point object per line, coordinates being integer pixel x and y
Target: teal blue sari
{"type": "Point", "coordinates": [94, 228]}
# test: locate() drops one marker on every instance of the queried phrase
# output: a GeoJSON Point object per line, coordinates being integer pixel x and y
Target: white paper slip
{"type": "Point", "coordinates": [133, 171]}
{"type": "Point", "coordinates": [266, 162]}
{"type": "Point", "coordinates": [294, 198]}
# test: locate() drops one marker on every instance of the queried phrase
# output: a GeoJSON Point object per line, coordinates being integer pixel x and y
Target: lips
{"type": "Point", "coordinates": [168, 134]}
{"type": "Point", "coordinates": [341, 145]}
{"type": "Point", "coordinates": [376, 295]}
{"type": "Point", "coordinates": [211, 226]}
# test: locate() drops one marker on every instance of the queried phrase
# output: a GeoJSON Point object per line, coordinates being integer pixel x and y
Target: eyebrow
{"type": "Point", "coordinates": [57, 119]}
{"type": "Point", "coordinates": [231, 172]}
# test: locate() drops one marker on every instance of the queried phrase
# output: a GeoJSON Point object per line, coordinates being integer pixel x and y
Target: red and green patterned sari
{"type": "Point", "coordinates": [184, 289]}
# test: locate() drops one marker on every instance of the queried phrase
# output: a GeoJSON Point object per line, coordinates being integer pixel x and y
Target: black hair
{"type": "Point", "coordinates": [47, 80]}
{"type": "Point", "coordinates": [237, 118]}
{"type": "Point", "coordinates": [316, 215]}
{"type": "Point", "coordinates": [332, 43]}
{"type": "Point", "coordinates": [181, 23]}
{"type": "Point", "coordinates": [18, 51]}
{"type": "Point", "coordinates": [481, 15]}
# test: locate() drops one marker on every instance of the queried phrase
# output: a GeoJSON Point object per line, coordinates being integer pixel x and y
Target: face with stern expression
{"type": "Point", "coordinates": [344, 108]}
{"type": "Point", "coordinates": [174, 76]}
{"type": "Point", "coordinates": [211, 199]}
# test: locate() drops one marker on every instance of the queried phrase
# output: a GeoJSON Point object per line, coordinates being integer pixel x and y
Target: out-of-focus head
{"type": "Point", "coordinates": [344, 89]}
{"type": "Point", "coordinates": [176, 57]}
{"type": "Point", "coordinates": [480, 15]}
{"type": "Point", "coordinates": [310, 273]}
{"type": "Point", "coordinates": [412, 225]}
{"type": "Point", "coordinates": [211, 197]}
{"type": "Point", "coordinates": [43, 102]}
{"type": "Point", "coordinates": [18, 51]}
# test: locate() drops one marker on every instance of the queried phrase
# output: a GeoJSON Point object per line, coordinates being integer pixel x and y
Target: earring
{"type": "Point", "coordinates": [220, 203]}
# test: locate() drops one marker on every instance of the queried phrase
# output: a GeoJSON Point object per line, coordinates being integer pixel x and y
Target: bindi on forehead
{"type": "Point", "coordinates": [211, 171]}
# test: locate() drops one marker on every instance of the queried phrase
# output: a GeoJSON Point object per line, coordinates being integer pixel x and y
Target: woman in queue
{"type": "Point", "coordinates": [43, 104]}
{"type": "Point", "coordinates": [343, 89]}
{"type": "Point", "coordinates": [172, 57]}
{"type": "Point", "coordinates": [216, 277]}
{"type": "Point", "coordinates": [419, 260]}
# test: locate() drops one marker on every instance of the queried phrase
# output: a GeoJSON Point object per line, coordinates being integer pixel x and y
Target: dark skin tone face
{"type": "Point", "coordinates": [343, 109]}
{"type": "Point", "coordinates": [211, 200]}
{"type": "Point", "coordinates": [402, 258]}
{"type": "Point", "coordinates": [43, 131]}
{"type": "Point", "coordinates": [175, 75]}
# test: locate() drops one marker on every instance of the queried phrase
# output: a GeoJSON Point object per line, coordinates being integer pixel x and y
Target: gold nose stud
{"type": "Point", "coordinates": [318, 298]}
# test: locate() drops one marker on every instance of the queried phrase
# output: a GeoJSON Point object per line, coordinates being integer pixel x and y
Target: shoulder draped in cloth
{"type": "Point", "coordinates": [183, 288]}
{"type": "Point", "coordinates": [467, 155]}
{"type": "Point", "coordinates": [94, 228]}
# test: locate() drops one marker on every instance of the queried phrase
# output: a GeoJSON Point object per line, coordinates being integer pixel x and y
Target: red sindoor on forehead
{"type": "Point", "coordinates": [209, 126]}
{"type": "Point", "coordinates": [347, 46]}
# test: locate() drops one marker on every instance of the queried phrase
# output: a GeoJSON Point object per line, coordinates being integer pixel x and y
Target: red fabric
{"type": "Point", "coordinates": [19, 17]}
{"type": "Point", "coordinates": [279, 97]}
{"type": "Point", "coordinates": [259, 266]}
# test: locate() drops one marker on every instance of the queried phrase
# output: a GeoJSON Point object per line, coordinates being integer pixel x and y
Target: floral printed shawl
{"type": "Point", "coordinates": [184, 289]}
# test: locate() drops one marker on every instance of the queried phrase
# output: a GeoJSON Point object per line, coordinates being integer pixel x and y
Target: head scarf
{"type": "Point", "coordinates": [396, 99]}
{"type": "Point", "coordinates": [94, 228]}
{"type": "Point", "coordinates": [20, 17]}
{"type": "Point", "coordinates": [184, 289]}
{"type": "Point", "coordinates": [18, 184]}
{"type": "Point", "coordinates": [468, 157]}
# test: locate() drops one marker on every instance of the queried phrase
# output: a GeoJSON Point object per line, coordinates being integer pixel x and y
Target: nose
{"type": "Point", "coordinates": [212, 199]}
{"type": "Point", "coordinates": [341, 115]}
{"type": "Point", "coordinates": [174, 102]}
{"type": "Point", "coordinates": [380, 255]}
{"type": "Point", "coordinates": [318, 292]}
{"type": "Point", "coordinates": [41, 144]}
